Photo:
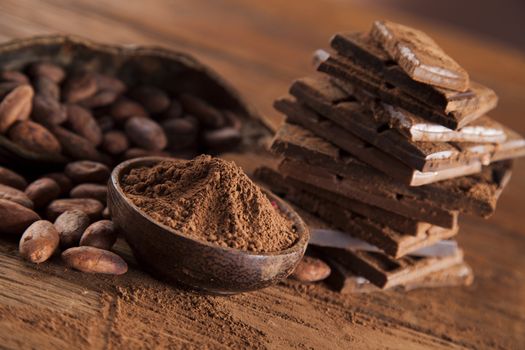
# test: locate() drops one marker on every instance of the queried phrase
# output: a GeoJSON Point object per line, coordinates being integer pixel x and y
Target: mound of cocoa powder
{"type": "Point", "coordinates": [210, 199]}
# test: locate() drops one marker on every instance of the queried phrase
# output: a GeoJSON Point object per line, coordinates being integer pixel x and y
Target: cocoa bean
{"type": "Point", "coordinates": [106, 214]}
{"type": "Point", "coordinates": [146, 133]}
{"type": "Point", "coordinates": [208, 115]}
{"type": "Point", "coordinates": [109, 83]}
{"type": "Point", "coordinates": [91, 207]}
{"type": "Point", "coordinates": [141, 152]}
{"type": "Point", "coordinates": [174, 111]}
{"type": "Point", "coordinates": [16, 105]}
{"type": "Point", "coordinates": [79, 87]}
{"type": "Point", "coordinates": [42, 191]}
{"type": "Point", "coordinates": [100, 99]}
{"type": "Point", "coordinates": [39, 242]}
{"type": "Point", "coordinates": [47, 110]}
{"type": "Point", "coordinates": [62, 180]}
{"type": "Point", "coordinates": [47, 87]}
{"type": "Point", "coordinates": [15, 218]}
{"type": "Point", "coordinates": [152, 98]}
{"type": "Point", "coordinates": [10, 178]}
{"type": "Point", "coordinates": [106, 123]}
{"type": "Point", "coordinates": [14, 76]}
{"type": "Point", "coordinates": [115, 142]}
{"type": "Point", "coordinates": [76, 146]}
{"type": "Point", "coordinates": [181, 133]}
{"type": "Point", "coordinates": [310, 270]}
{"type": "Point", "coordinates": [90, 190]}
{"type": "Point", "coordinates": [87, 171]}
{"type": "Point", "coordinates": [124, 109]}
{"type": "Point", "coordinates": [100, 234]}
{"type": "Point", "coordinates": [7, 87]}
{"type": "Point", "coordinates": [221, 140]}
{"type": "Point", "coordinates": [94, 260]}
{"type": "Point", "coordinates": [81, 121]}
{"type": "Point", "coordinates": [14, 195]}
{"type": "Point", "coordinates": [70, 225]}
{"type": "Point", "coordinates": [48, 70]}
{"type": "Point", "coordinates": [34, 137]}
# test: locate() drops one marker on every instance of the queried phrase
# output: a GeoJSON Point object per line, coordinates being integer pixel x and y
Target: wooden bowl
{"type": "Point", "coordinates": [175, 72]}
{"type": "Point", "coordinates": [201, 265]}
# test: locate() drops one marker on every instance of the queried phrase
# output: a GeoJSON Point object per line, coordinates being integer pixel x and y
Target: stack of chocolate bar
{"type": "Point", "coordinates": [387, 148]}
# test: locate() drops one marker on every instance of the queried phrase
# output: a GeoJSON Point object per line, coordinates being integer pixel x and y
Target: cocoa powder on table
{"type": "Point", "coordinates": [212, 200]}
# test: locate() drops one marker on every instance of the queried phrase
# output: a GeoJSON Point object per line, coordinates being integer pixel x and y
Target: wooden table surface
{"type": "Point", "coordinates": [260, 46]}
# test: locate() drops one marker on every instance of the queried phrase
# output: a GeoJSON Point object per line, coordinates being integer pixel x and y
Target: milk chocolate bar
{"type": "Point", "coordinates": [309, 119]}
{"type": "Point", "coordinates": [281, 185]}
{"type": "Point", "coordinates": [361, 50]}
{"type": "Point", "coordinates": [386, 272]}
{"type": "Point", "coordinates": [420, 56]}
{"type": "Point", "coordinates": [320, 94]}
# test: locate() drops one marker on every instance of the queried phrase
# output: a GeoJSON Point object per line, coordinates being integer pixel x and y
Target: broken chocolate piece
{"type": "Point", "coordinates": [420, 56]}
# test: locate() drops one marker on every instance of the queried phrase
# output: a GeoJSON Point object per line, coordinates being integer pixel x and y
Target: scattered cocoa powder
{"type": "Point", "coordinates": [212, 200]}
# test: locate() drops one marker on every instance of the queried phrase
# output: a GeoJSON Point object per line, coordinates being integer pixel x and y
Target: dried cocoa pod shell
{"type": "Point", "coordinates": [152, 98]}
{"type": "Point", "coordinates": [10, 178]}
{"type": "Point", "coordinates": [16, 105]}
{"type": "Point", "coordinates": [42, 191]}
{"type": "Point", "coordinates": [14, 76]}
{"type": "Point", "coordinates": [14, 195]}
{"type": "Point", "coordinates": [15, 218]}
{"type": "Point", "coordinates": [174, 72]}
{"type": "Point", "coordinates": [47, 110]}
{"type": "Point", "coordinates": [87, 171]}
{"type": "Point", "coordinates": [70, 225]}
{"type": "Point", "coordinates": [115, 142]}
{"type": "Point", "coordinates": [39, 242]}
{"type": "Point", "coordinates": [82, 122]}
{"type": "Point", "coordinates": [90, 190]}
{"type": "Point", "coordinates": [94, 260]}
{"type": "Point", "coordinates": [100, 234]}
{"type": "Point", "coordinates": [311, 269]}
{"type": "Point", "coordinates": [34, 137]}
{"type": "Point", "coordinates": [91, 207]}
{"type": "Point", "coordinates": [146, 133]}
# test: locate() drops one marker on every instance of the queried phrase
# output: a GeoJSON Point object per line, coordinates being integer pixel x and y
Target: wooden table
{"type": "Point", "coordinates": [260, 47]}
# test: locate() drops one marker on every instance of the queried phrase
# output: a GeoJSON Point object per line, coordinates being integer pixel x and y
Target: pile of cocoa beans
{"type": "Point", "coordinates": [52, 110]}
{"type": "Point", "coordinates": [62, 211]}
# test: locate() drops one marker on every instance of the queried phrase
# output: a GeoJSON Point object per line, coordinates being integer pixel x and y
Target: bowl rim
{"type": "Point", "coordinates": [301, 227]}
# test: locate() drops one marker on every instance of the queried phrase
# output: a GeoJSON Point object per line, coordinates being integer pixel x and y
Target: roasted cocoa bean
{"type": "Point", "coordinates": [91, 207]}
{"type": "Point", "coordinates": [209, 116]}
{"type": "Point", "coordinates": [39, 242]}
{"type": "Point", "coordinates": [42, 191]}
{"type": "Point", "coordinates": [15, 218]}
{"type": "Point", "coordinates": [124, 109]}
{"type": "Point", "coordinates": [10, 178]}
{"type": "Point", "coordinates": [100, 234]}
{"type": "Point", "coordinates": [152, 98]}
{"type": "Point", "coordinates": [106, 123]}
{"type": "Point", "coordinates": [100, 99]}
{"type": "Point", "coordinates": [90, 190]}
{"type": "Point", "coordinates": [48, 70]}
{"type": "Point", "coordinates": [81, 121]}
{"type": "Point", "coordinates": [79, 87]}
{"type": "Point", "coordinates": [47, 110]}
{"type": "Point", "coordinates": [174, 111]}
{"type": "Point", "coordinates": [141, 152]}
{"type": "Point", "coordinates": [47, 87]}
{"type": "Point", "coordinates": [310, 270]}
{"type": "Point", "coordinates": [76, 146]}
{"type": "Point", "coordinates": [146, 133]}
{"type": "Point", "coordinates": [70, 225]}
{"type": "Point", "coordinates": [15, 106]}
{"type": "Point", "coordinates": [14, 76]}
{"type": "Point", "coordinates": [181, 133]}
{"type": "Point", "coordinates": [109, 83]}
{"type": "Point", "coordinates": [115, 142]}
{"type": "Point", "coordinates": [94, 260]}
{"type": "Point", "coordinates": [62, 180]}
{"type": "Point", "coordinates": [221, 140]}
{"type": "Point", "coordinates": [87, 171]}
{"type": "Point", "coordinates": [14, 195]}
{"type": "Point", "coordinates": [34, 137]}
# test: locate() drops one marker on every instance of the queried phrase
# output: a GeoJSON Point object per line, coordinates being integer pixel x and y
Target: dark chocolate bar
{"type": "Point", "coordinates": [309, 119]}
{"type": "Point", "coordinates": [420, 56]}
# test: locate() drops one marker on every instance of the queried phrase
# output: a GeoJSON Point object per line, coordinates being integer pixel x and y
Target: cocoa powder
{"type": "Point", "coordinates": [211, 200]}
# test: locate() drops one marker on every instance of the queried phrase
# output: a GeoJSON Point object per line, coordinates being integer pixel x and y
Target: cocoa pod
{"type": "Point", "coordinates": [62, 180]}
{"type": "Point", "coordinates": [152, 98]}
{"type": "Point", "coordinates": [146, 133]}
{"type": "Point", "coordinates": [79, 87]}
{"type": "Point", "coordinates": [91, 207]}
{"type": "Point", "coordinates": [115, 142]}
{"type": "Point", "coordinates": [94, 260]}
{"type": "Point", "coordinates": [15, 218]}
{"type": "Point", "coordinates": [87, 171]}
{"type": "Point", "coordinates": [76, 146]}
{"type": "Point", "coordinates": [221, 140]}
{"type": "Point", "coordinates": [42, 191]}
{"type": "Point", "coordinates": [39, 242]}
{"type": "Point", "coordinates": [70, 225]}
{"type": "Point", "coordinates": [311, 270]}
{"type": "Point", "coordinates": [10, 178]}
{"type": "Point", "coordinates": [14, 76]}
{"type": "Point", "coordinates": [47, 87]}
{"type": "Point", "coordinates": [14, 195]}
{"type": "Point", "coordinates": [34, 137]}
{"type": "Point", "coordinates": [100, 99]}
{"type": "Point", "coordinates": [207, 115]}
{"type": "Point", "coordinates": [16, 105]}
{"type": "Point", "coordinates": [181, 133]}
{"type": "Point", "coordinates": [174, 111]}
{"type": "Point", "coordinates": [81, 121]}
{"type": "Point", "coordinates": [123, 109]}
{"type": "Point", "coordinates": [100, 234]}
{"type": "Point", "coordinates": [109, 83]}
{"type": "Point", "coordinates": [47, 110]}
{"type": "Point", "coordinates": [48, 70]}
{"type": "Point", "coordinates": [89, 190]}
{"type": "Point", "coordinates": [141, 152]}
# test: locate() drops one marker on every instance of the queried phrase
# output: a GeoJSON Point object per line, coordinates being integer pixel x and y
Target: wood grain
{"type": "Point", "coordinates": [261, 46]}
